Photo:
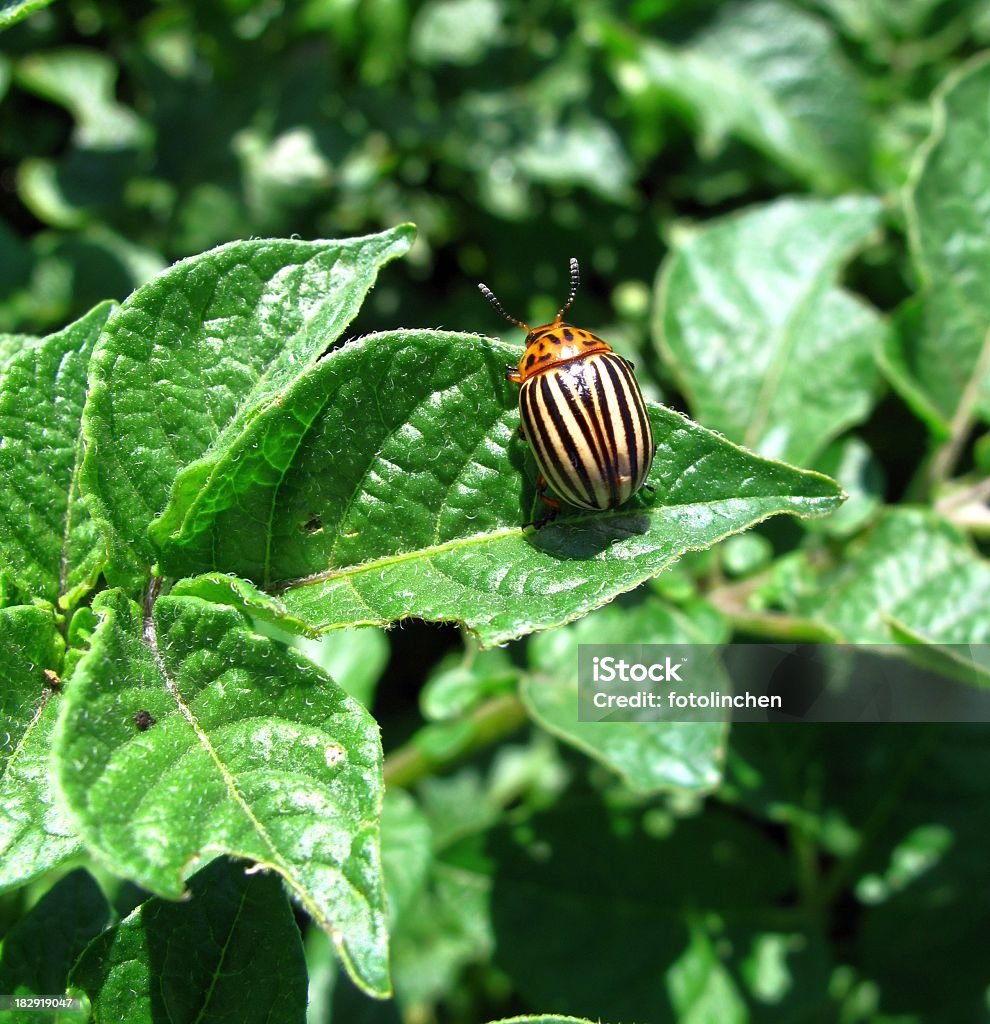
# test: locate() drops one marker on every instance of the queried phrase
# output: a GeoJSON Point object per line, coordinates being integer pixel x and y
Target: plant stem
{"type": "Point", "coordinates": [944, 460]}
{"type": "Point", "coordinates": [778, 626]}
{"type": "Point", "coordinates": [732, 600]}
{"type": "Point", "coordinates": [967, 507]}
{"type": "Point", "coordinates": [492, 721]}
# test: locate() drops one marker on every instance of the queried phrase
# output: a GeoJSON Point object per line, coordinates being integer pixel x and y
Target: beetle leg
{"type": "Point", "coordinates": [521, 432]}
{"type": "Point", "coordinates": [628, 362]}
{"type": "Point", "coordinates": [538, 524]}
{"type": "Point", "coordinates": [553, 506]}
{"type": "Point", "coordinates": [512, 373]}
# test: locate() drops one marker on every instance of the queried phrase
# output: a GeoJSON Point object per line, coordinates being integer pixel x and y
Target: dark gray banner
{"type": "Point", "coordinates": [783, 683]}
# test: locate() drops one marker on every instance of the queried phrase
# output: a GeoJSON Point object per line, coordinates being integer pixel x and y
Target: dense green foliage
{"type": "Point", "coordinates": [249, 421]}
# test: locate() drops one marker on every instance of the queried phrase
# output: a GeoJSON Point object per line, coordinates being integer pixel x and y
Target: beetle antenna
{"type": "Point", "coordinates": [490, 295]}
{"type": "Point", "coordinates": [575, 283]}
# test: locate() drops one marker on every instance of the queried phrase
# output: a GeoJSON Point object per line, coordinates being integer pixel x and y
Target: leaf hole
{"type": "Point", "coordinates": [312, 526]}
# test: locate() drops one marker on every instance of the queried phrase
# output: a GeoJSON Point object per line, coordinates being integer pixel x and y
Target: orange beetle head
{"type": "Point", "coordinates": [554, 343]}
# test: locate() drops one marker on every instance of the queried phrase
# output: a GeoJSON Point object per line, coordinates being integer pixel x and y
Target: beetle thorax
{"type": "Point", "coordinates": [552, 344]}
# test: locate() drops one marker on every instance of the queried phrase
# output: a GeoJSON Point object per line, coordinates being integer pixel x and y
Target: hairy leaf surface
{"type": "Point", "coordinates": [35, 833]}
{"type": "Point", "coordinates": [389, 482]}
{"type": "Point", "coordinates": [250, 750]}
{"type": "Point", "coordinates": [49, 545]}
{"type": "Point", "coordinates": [194, 354]}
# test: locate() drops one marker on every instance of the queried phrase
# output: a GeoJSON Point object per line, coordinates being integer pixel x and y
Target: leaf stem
{"type": "Point", "coordinates": [807, 868]}
{"type": "Point", "coordinates": [492, 721]}
{"type": "Point", "coordinates": [968, 507]}
{"type": "Point", "coordinates": [945, 458]}
{"type": "Point", "coordinates": [731, 601]}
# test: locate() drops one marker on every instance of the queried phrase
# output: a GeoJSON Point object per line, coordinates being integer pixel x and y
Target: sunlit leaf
{"type": "Point", "coordinates": [649, 756]}
{"type": "Point", "coordinates": [186, 735]}
{"type": "Point", "coordinates": [420, 512]}
{"type": "Point", "coordinates": [35, 833]}
{"type": "Point", "coordinates": [191, 357]}
{"type": "Point", "coordinates": [50, 546]}
{"type": "Point", "coordinates": [768, 74]}
{"type": "Point", "coordinates": [940, 360]}
{"type": "Point", "coordinates": [767, 347]}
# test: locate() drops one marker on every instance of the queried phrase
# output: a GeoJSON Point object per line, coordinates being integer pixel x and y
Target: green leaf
{"type": "Point", "coordinates": [914, 568]}
{"type": "Point", "coordinates": [333, 998]}
{"type": "Point", "coordinates": [83, 188]}
{"type": "Point", "coordinates": [35, 834]}
{"type": "Point", "coordinates": [459, 683]}
{"type": "Point", "coordinates": [12, 345]}
{"type": "Point", "coordinates": [770, 75]}
{"type": "Point", "coordinates": [38, 952]}
{"type": "Point", "coordinates": [49, 545]}
{"type": "Point", "coordinates": [701, 988]}
{"type": "Point", "coordinates": [84, 82]}
{"type": "Point", "coordinates": [944, 351]}
{"type": "Point", "coordinates": [419, 513]}
{"type": "Point", "coordinates": [220, 588]}
{"type": "Point", "coordinates": [584, 151]}
{"type": "Point", "coordinates": [967, 666]}
{"type": "Point", "coordinates": [455, 31]}
{"type": "Point", "coordinates": [75, 271]}
{"type": "Point", "coordinates": [191, 357]}
{"type": "Point", "coordinates": [252, 752]}
{"type": "Point", "coordinates": [12, 11]}
{"type": "Point", "coordinates": [406, 851]}
{"type": "Point", "coordinates": [650, 756]}
{"type": "Point", "coordinates": [230, 952]}
{"type": "Point", "coordinates": [765, 345]}
{"type": "Point", "coordinates": [355, 658]}
{"type": "Point", "coordinates": [444, 930]}
{"type": "Point", "coordinates": [851, 463]}
{"type": "Point", "coordinates": [543, 1019]}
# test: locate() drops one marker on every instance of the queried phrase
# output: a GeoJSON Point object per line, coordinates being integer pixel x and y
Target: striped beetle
{"type": "Point", "coordinates": [582, 413]}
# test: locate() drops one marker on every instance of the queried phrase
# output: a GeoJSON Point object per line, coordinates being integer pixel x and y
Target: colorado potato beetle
{"type": "Point", "coordinates": [582, 413]}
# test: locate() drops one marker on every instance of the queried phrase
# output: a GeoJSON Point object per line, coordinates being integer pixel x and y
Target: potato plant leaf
{"type": "Point", "coordinates": [35, 834]}
{"type": "Point", "coordinates": [544, 1019]}
{"type": "Point", "coordinates": [650, 756]}
{"type": "Point", "coordinates": [912, 569]}
{"type": "Point", "coordinates": [767, 347]}
{"type": "Point", "coordinates": [220, 588]}
{"type": "Point", "coordinates": [769, 75]}
{"type": "Point", "coordinates": [420, 511]}
{"type": "Point", "coordinates": [230, 952]}
{"type": "Point", "coordinates": [13, 344]}
{"type": "Point", "coordinates": [49, 545]}
{"type": "Point", "coordinates": [12, 11]}
{"type": "Point", "coordinates": [941, 359]}
{"type": "Point", "coordinates": [192, 356]}
{"type": "Point", "coordinates": [84, 81]}
{"type": "Point", "coordinates": [39, 951]}
{"type": "Point", "coordinates": [186, 735]}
